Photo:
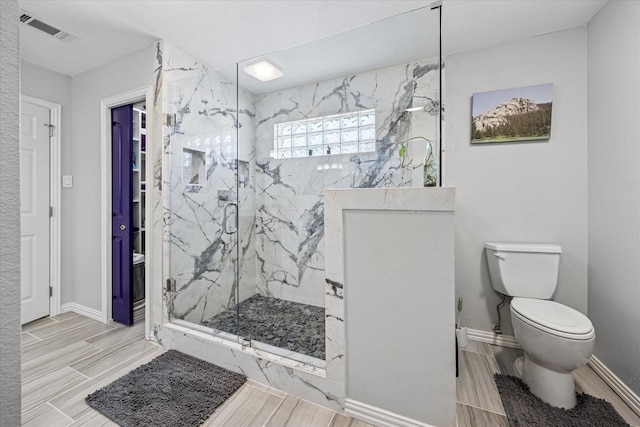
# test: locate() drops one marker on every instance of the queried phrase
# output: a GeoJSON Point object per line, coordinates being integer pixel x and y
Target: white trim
{"type": "Point", "coordinates": [378, 416]}
{"type": "Point", "coordinates": [55, 180]}
{"type": "Point", "coordinates": [621, 389]}
{"type": "Point", "coordinates": [149, 203]}
{"type": "Point", "coordinates": [493, 338]}
{"type": "Point", "coordinates": [91, 313]}
{"type": "Point", "coordinates": [106, 105]}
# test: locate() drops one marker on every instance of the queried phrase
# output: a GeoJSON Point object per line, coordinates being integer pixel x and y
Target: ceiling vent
{"type": "Point", "coordinates": [56, 33]}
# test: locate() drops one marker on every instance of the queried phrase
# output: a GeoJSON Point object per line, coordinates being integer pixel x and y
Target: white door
{"type": "Point", "coordinates": [34, 211]}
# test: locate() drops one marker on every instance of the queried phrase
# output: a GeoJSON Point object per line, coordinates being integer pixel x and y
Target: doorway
{"type": "Point", "coordinates": [39, 208]}
{"type": "Point", "coordinates": [124, 270]}
{"type": "Point", "coordinates": [128, 197]}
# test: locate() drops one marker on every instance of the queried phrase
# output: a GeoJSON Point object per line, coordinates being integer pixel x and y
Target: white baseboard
{"type": "Point", "coordinates": [621, 389]}
{"type": "Point", "coordinates": [81, 309]}
{"type": "Point", "coordinates": [492, 338]}
{"type": "Point", "coordinates": [379, 417]}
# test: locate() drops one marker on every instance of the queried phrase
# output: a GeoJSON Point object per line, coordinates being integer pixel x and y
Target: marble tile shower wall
{"type": "Point", "coordinates": [203, 148]}
{"type": "Point", "coordinates": [289, 202]}
{"type": "Point", "coordinates": [281, 230]}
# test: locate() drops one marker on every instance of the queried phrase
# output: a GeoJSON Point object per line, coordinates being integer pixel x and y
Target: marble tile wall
{"type": "Point", "coordinates": [289, 192]}
{"type": "Point", "coordinates": [281, 206]}
{"type": "Point", "coordinates": [199, 178]}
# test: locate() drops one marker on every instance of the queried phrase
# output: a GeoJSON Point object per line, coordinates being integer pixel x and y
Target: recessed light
{"type": "Point", "coordinates": [263, 71]}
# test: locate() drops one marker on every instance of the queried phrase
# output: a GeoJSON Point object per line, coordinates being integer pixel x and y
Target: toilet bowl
{"type": "Point", "coordinates": [556, 340]}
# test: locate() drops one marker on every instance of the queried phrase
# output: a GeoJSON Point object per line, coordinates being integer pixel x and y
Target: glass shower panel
{"type": "Point", "coordinates": [358, 109]}
{"type": "Point", "coordinates": [208, 181]}
{"type": "Point", "coordinates": [250, 161]}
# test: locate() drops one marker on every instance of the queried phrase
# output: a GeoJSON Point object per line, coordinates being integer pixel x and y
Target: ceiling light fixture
{"type": "Point", "coordinates": [412, 109]}
{"type": "Point", "coordinates": [263, 71]}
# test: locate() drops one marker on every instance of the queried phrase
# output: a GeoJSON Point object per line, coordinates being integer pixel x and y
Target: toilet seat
{"type": "Point", "coordinates": [553, 318]}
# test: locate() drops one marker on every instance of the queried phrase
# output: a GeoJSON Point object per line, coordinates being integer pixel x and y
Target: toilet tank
{"type": "Point", "coordinates": [527, 270]}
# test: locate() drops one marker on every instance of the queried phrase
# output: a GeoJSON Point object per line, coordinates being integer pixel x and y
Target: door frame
{"type": "Point", "coordinates": [55, 182]}
{"type": "Point", "coordinates": [106, 104]}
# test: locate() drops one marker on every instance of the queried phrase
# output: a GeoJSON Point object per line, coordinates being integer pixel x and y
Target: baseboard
{"type": "Point", "coordinates": [379, 417]}
{"type": "Point", "coordinates": [492, 338]}
{"type": "Point", "coordinates": [621, 389]}
{"type": "Point", "coordinates": [81, 309]}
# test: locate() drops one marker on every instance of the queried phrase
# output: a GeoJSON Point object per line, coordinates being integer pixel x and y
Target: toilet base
{"type": "Point", "coordinates": [555, 388]}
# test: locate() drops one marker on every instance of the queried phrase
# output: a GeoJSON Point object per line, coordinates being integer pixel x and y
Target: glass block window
{"type": "Point", "coordinates": [337, 134]}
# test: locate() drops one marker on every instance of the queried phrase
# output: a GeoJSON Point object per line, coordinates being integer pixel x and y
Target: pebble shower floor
{"type": "Point", "coordinates": [284, 324]}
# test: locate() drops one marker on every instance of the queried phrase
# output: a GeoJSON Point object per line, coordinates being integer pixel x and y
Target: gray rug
{"type": "Point", "coordinates": [524, 409]}
{"type": "Point", "coordinates": [172, 390]}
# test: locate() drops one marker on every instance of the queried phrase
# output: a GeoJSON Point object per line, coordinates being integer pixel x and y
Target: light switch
{"type": "Point", "coordinates": [67, 181]}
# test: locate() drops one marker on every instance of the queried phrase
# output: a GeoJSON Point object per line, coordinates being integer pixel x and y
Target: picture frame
{"type": "Point", "coordinates": [512, 115]}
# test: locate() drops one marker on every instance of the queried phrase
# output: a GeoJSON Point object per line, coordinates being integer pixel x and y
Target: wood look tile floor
{"type": "Point", "coordinates": [66, 357]}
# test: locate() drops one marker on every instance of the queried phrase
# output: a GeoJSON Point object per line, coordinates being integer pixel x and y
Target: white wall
{"type": "Point", "coordinates": [614, 187]}
{"type": "Point", "coordinates": [81, 208]}
{"type": "Point", "coordinates": [529, 192]}
{"type": "Point", "coordinates": [54, 87]}
{"type": "Point", "coordinates": [9, 215]}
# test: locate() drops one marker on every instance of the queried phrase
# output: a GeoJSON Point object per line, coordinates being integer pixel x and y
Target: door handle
{"type": "Point", "coordinates": [123, 227]}
{"type": "Point", "coordinates": [225, 216]}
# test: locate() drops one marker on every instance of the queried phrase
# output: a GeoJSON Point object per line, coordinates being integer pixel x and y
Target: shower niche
{"type": "Point", "coordinates": [193, 167]}
{"type": "Point", "coordinates": [247, 165]}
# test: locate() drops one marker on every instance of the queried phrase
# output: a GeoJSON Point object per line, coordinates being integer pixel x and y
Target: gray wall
{"type": "Point", "coordinates": [396, 308]}
{"type": "Point", "coordinates": [54, 87]}
{"type": "Point", "coordinates": [614, 187]}
{"type": "Point", "coordinates": [529, 192]}
{"type": "Point", "coordinates": [9, 216]}
{"type": "Point", "coordinates": [81, 205]}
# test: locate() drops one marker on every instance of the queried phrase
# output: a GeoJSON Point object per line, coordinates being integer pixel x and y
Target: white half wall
{"type": "Point", "coordinates": [614, 187]}
{"type": "Point", "coordinates": [9, 215]}
{"type": "Point", "coordinates": [511, 192]}
{"type": "Point", "coordinates": [81, 204]}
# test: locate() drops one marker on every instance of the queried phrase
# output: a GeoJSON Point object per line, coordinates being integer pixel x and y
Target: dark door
{"type": "Point", "coordinates": [122, 206]}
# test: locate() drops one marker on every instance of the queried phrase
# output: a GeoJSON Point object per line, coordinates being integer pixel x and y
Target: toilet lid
{"type": "Point", "coordinates": [554, 316]}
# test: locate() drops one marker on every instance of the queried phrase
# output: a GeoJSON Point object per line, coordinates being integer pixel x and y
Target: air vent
{"type": "Point", "coordinates": [29, 19]}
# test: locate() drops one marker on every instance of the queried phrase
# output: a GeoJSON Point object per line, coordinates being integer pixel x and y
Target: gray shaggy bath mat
{"type": "Point", "coordinates": [172, 390]}
{"type": "Point", "coordinates": [524, 409]}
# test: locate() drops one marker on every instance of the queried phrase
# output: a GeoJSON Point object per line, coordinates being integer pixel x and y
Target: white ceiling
{"type": "Point", "coordinates": [222, 32]}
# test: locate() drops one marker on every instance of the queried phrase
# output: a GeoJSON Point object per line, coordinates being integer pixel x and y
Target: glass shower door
{"type": "Point", "coordinates": [203, 216]}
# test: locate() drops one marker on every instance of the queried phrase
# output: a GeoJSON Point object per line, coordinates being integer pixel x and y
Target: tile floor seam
{"type": "Point", "coordinates": [333, 417]}
{"type": "Point", "coordinates": [62, 331]}
{"type": "Point", "coordinates": [481, 409]}
{"type": "Point", "coordinates": [75, 370]}
{"type": "Point", "coordinates": [274, 412]}
{"type": "Point", "coordinates": [33, 336]}
{"type": "Point", "coordinates": [267, 391]}
{"type": "Point", "coordinates": [59, 411]}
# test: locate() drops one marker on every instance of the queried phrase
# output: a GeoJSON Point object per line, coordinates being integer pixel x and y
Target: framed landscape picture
{"type": "Point", "coordinates": [509, 115]}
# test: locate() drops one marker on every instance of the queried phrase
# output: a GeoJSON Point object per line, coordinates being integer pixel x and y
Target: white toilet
{"type": "Point", "coordinates": [556, 339]}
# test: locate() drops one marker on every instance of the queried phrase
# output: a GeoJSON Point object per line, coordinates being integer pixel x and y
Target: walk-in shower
{"type": "Point", "coordinates": [247, 161]}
